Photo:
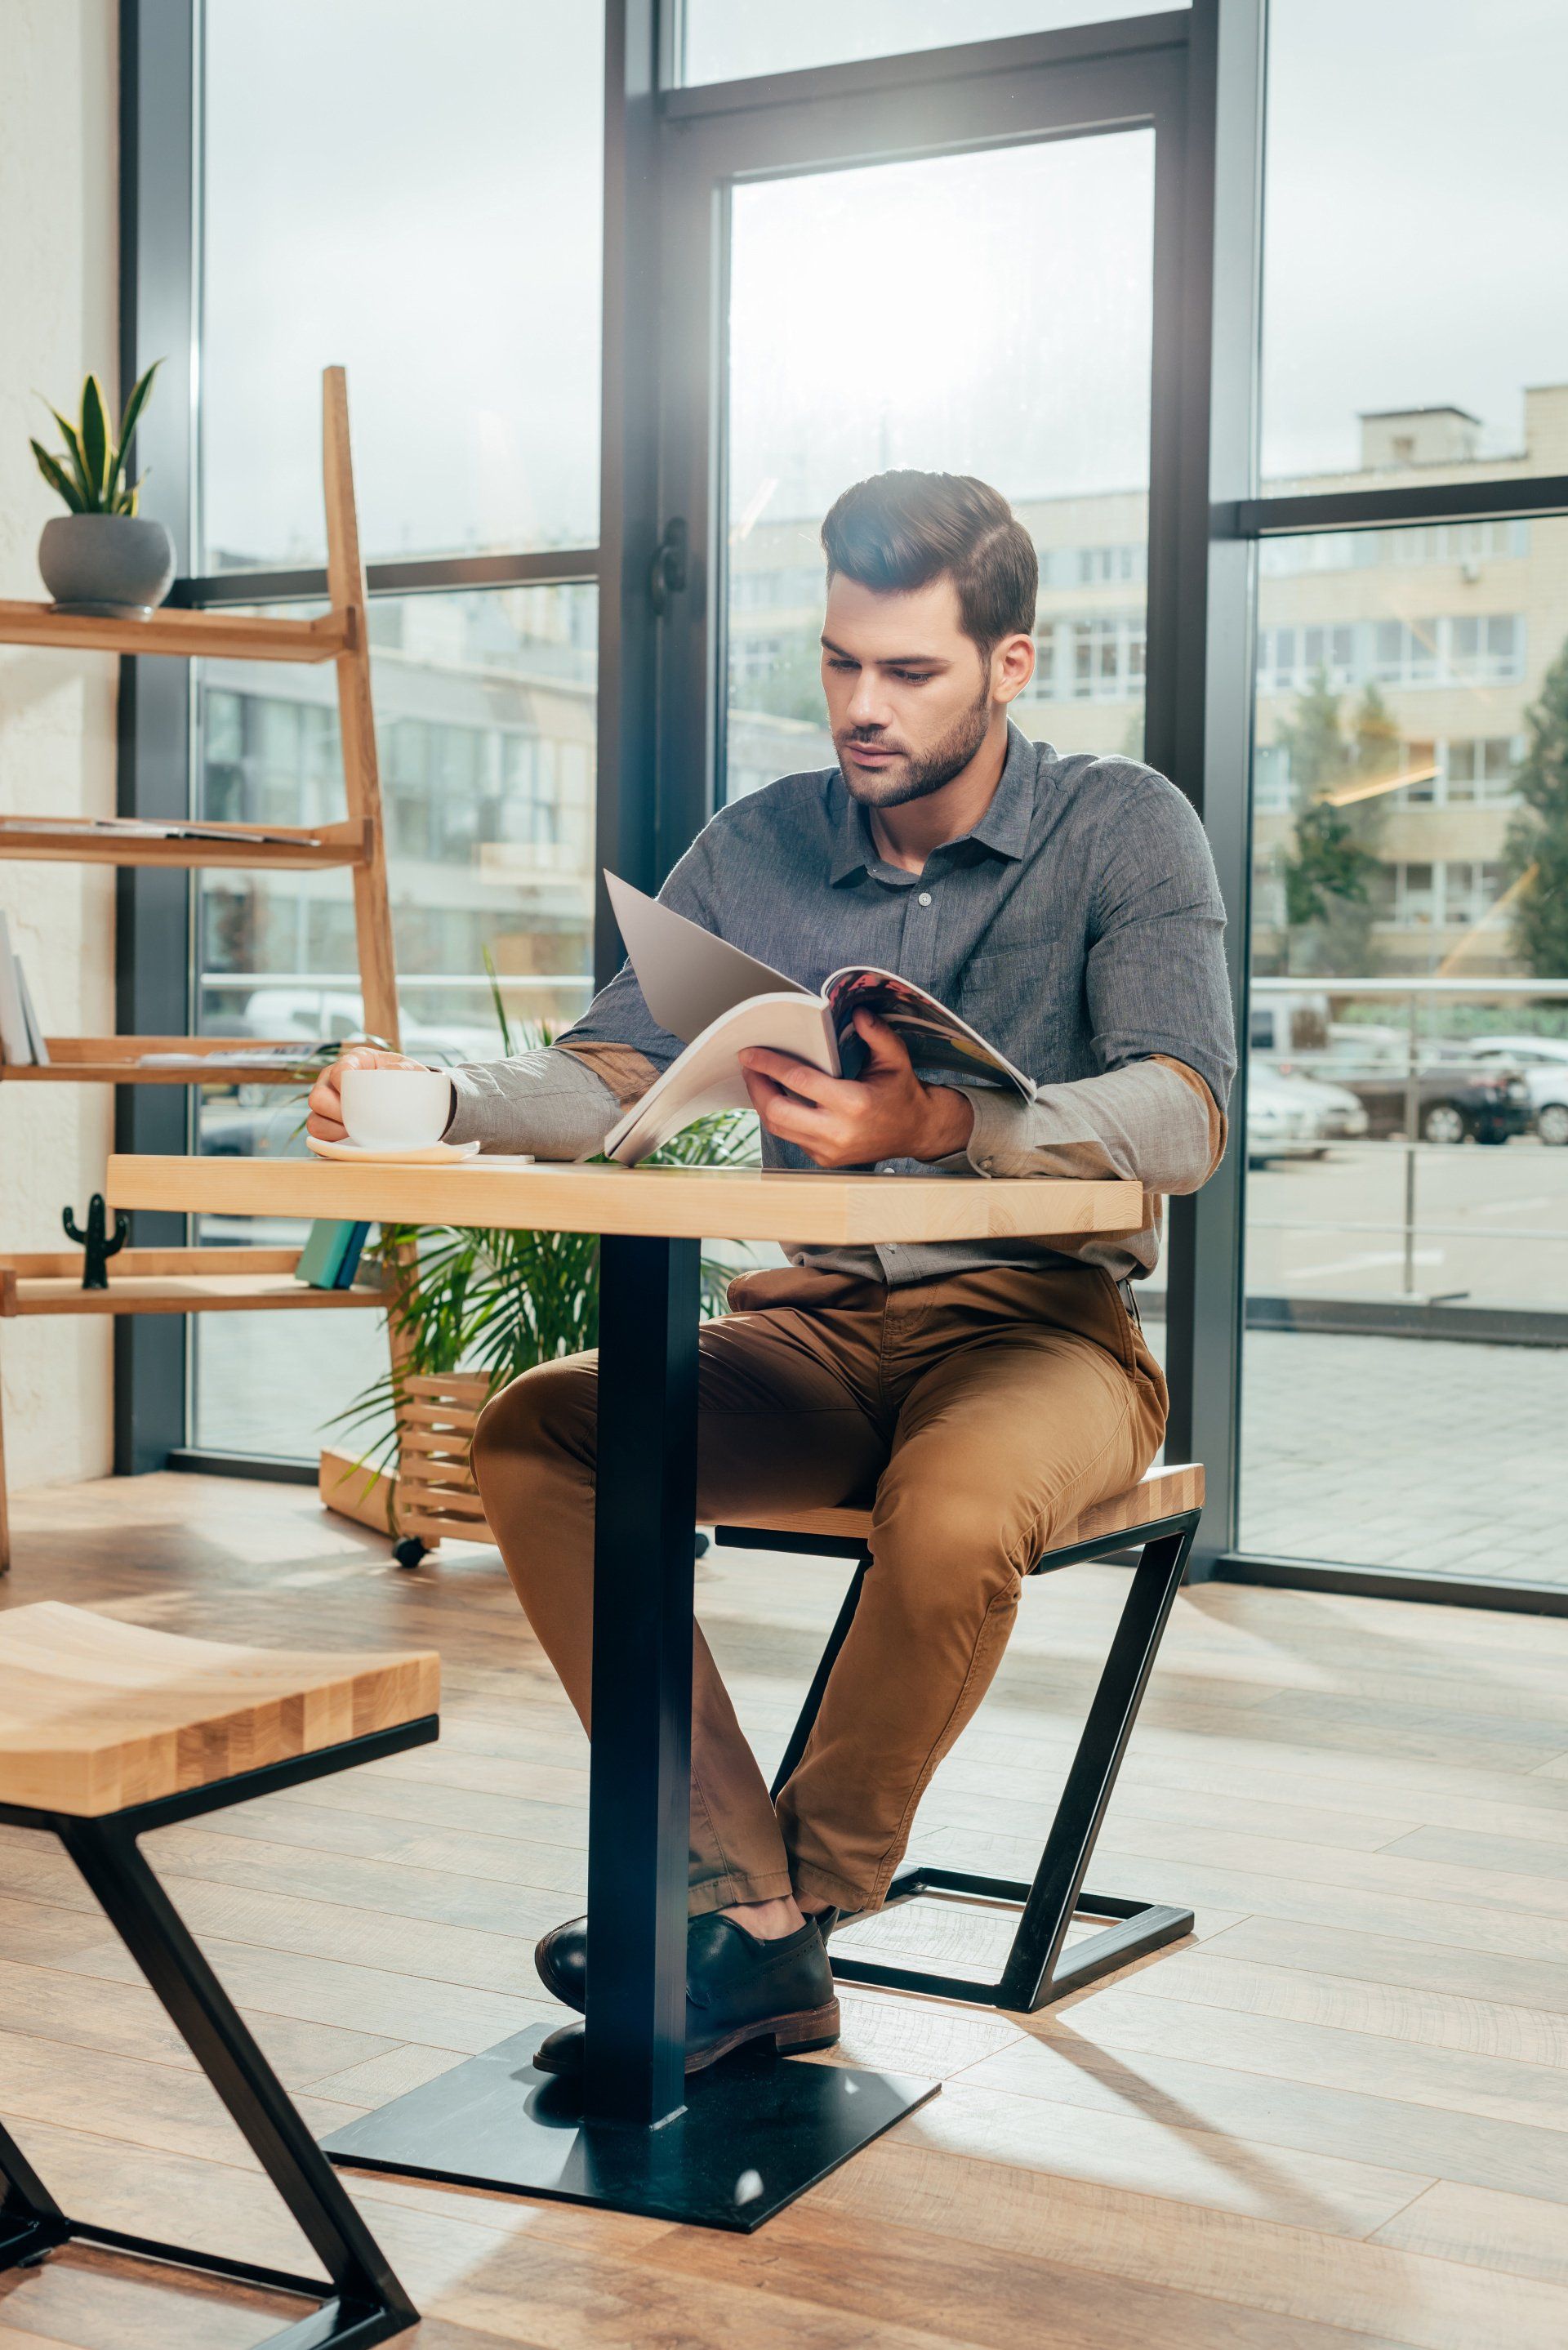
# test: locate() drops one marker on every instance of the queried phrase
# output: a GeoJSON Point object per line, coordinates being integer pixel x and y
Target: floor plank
{"type": "Point", "coordinates": [1334, 2119]}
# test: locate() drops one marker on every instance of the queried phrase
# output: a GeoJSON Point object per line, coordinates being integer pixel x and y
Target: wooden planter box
{"type": "Point", "coordinates": [433, 1493]}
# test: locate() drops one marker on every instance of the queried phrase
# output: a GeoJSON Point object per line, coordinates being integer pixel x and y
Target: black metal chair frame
{"type": "Point", "coordinates": [1037, 1970]}
{"type": "Point", "coordinates": [362, 2303]}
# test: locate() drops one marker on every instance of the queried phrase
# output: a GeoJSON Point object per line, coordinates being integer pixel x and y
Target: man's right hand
{"type": "Point", "coordinates": [325, 1118]}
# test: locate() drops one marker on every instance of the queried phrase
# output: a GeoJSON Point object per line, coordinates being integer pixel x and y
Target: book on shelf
{"type": "Point", "coordinates": [330, 1257]}
{"type": "Point", "coordinates": [305, 1057]}
{"type": "Point", "coordinates": [129, 828]}
{"type": "Point", "coordinates": [22, 1044]}
{"type": "Point", "coordinates": [721, 1001]}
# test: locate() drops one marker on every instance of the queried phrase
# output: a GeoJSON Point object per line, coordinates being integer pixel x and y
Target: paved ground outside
{"type": "Point", "coordinates": [1406, 1453]}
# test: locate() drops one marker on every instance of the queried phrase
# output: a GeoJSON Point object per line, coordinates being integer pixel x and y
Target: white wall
{"type": "Point", "coordinates": [58, 263]}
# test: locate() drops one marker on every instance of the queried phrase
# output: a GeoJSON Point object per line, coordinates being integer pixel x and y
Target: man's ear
{"type": "Point", "coordinates": [1012, 666]}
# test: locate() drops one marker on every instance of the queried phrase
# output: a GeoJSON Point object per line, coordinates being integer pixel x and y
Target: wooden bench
{"type": "Point", "coordinates": [1159, 1517]}
{"type": "Point", "coordinates": [106, 1731]}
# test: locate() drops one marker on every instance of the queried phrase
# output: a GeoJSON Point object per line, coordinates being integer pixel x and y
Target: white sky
{"type": "Point", "coordinates": [728, 39]}
{"type": "Point", "coordinates": [415, 191]}
{"type": "Point", "coordinates": [984, 313]}
{"type": "Point", "coordinates": [1415, 216]}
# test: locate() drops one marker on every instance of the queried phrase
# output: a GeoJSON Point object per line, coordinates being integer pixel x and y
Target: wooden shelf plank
{"type": "Point", "coordinates": [233, 1292]}
{"type": "Point", "coordinates": [226, 636]}
{"type": "Point", "coordinates": [73, 840]}
{"type": "Point", "coordinates": [112, 1060]}
{"type": "Point", "coordinates": [168, 1280]}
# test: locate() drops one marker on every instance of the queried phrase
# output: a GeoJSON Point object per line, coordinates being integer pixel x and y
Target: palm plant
{"type": "Point", "coordinates": [496, 1302]}
{"type": "Point", "coordinates": [91, 476]}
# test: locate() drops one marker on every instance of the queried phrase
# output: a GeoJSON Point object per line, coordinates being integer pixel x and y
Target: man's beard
{"type": "Point", "coordinates": [931, 769]}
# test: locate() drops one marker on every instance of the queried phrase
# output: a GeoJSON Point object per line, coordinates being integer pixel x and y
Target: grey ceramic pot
{"type": "Point", "coordinates": [117, 563]}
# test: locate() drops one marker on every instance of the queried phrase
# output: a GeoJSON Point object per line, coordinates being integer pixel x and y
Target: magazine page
{"type": "Point", "coordinates": [688, 978]}
{"type": "Point", "coordinates": [937, 1039]}
{"type": "Point", "coordinates": [707, 1077]}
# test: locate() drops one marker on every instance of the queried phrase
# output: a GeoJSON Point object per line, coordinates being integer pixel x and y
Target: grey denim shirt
{"type": "Point", "coordinates": [1079, 927]}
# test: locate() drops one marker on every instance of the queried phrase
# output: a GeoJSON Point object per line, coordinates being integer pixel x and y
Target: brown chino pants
{"type": "Point", "coordinates": [981, 1412]}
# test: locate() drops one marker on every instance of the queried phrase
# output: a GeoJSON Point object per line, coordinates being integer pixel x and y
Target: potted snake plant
{"type": "Point", "coordinates": [101, 555]}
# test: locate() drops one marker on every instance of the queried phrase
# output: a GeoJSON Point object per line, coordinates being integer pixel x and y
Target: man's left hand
{"type": "Point", "coordinates": [884, 1113]}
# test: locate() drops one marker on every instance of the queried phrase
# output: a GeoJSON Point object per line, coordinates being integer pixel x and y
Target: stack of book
{"type": "Point", "coordinates": [22, 1042]}
{"type": "Point", "coordinates": [330, 1257]}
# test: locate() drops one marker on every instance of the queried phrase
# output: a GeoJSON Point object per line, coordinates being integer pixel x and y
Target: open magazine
{"type": "Point", "coordinates": [721, 1001]}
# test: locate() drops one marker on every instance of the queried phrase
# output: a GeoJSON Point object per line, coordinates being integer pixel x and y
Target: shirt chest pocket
{"type": "Point", "coordinates": [1013, 993]}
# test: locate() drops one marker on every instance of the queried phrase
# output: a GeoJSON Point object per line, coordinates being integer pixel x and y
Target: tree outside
{"type": "Point", "coordinates": [1538, 837]}
{"type": "Point", "coordinates": [1331, 869]}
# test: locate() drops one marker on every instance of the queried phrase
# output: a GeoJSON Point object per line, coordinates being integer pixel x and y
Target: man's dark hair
{"type": "Point", "coordinates": [899, 531]}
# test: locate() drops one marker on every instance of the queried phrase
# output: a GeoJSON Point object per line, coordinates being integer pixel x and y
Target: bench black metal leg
{"type": "Point", "coordinates": [1036, 1971]}
{"type": "Point", "coordinates": [806, 1717]}
{"type": "Point", "coordinates": [364, 2303]}
{"type": "Point", "coordinates": [1032, 1972]}
{"type": "Point", "coordinates": [31, 2222]}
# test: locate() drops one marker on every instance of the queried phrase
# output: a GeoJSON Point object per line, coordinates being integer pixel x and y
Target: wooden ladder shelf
{"type": "Point", "coordinates": [204, 1280]}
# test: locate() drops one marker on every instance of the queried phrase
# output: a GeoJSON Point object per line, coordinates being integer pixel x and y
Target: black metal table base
{"type": "Point", "coordinates": [756, 2131]}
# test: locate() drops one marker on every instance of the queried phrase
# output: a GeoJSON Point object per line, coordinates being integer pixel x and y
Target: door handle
{"type": "Point", "coordinates": [667, 573]}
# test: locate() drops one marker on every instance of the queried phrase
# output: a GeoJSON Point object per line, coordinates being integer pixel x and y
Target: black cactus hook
{"type": "Point", "coordinates": [96, 1241]}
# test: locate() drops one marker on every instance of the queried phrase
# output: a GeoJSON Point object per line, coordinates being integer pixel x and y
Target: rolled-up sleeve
{"type": "Point", "coordinates": [1152, 1121]}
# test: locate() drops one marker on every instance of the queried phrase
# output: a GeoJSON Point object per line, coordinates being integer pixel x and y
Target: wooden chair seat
{"type": "Point", "coordinates": [1167, 1492]}
{"type": "Point", "coordinates": [98, 1715]}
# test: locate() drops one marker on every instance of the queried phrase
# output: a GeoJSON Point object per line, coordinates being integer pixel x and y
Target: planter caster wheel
{"type": "Point", "coordinates": [409, 1551]}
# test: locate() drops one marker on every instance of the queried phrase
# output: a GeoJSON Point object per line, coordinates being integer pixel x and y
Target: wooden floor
{"type": "Point", "coordinates": [1336, 2119]}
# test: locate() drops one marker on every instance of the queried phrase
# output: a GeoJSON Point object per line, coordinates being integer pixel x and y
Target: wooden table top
{"type": "Point", "coordinates": [96, 1714]}
{"type": "Point", "coordinates": [736, 1203]}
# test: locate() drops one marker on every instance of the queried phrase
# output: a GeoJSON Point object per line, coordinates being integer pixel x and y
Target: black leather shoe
{"type": "Point", "coordinates": [561, 1960]}
{"type": "Point", "coordinates": [562, 1956]}
{"type": "Point", "coordinates": [738, 1989]}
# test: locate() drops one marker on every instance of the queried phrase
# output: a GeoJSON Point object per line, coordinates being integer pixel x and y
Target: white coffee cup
{"type": "Point", "coordinates": [395, 1110]}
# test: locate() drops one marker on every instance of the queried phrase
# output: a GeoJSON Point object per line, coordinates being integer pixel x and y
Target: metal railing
{"type": "Point", "coordinates": [1412, 993]}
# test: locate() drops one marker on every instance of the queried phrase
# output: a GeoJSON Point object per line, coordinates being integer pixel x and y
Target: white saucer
{"type": "Point", "coordinates": [426, 1154]}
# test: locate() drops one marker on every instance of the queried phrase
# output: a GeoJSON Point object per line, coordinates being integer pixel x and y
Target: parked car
{"type": "Point", "coordinates": [1341, 1117]}
{"type": "Point", "coordinates": [254, 1121]}
{"type": "Point", "coordinates": [317, 1014]}
{"type": "Point", "coordinates": [1284, 1121]}
{"type": "Point", "coordinates": [1460, 1095]}
{"type": "Point", "coordinates": [1292, 1116]}
{"type": "Point", "coordinates": [1287, 1022]}
{"type": "Point", "coordinates": [1543, 1063]}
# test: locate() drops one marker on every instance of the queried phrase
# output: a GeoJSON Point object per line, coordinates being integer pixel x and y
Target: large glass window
{"type": "Point", "coordinates": [1051, 244]}
{"type": "Point", "coordinates": [1415, 207]}
{"type": "Point", "coordinates": [413, 192]}
{"type": "Point", "coordinates": [485, 713]}
{"type": "Point", "coordinates": [1406, 1358]}
{"type": "Point", "coordinates": [729, 40]}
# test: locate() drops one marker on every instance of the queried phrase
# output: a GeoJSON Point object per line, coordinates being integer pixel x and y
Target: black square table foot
{"type": "Point", "coordinates": [756, 2131]}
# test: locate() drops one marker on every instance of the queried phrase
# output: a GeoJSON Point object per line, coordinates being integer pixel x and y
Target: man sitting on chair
{"type": "Point", "coordinates": [985, 1392]}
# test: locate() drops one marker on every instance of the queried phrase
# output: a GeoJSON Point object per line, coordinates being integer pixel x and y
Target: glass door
{"type": "Point", "coordinates": [984, 313]}
{"type": "Point", "coordinates": [979, 272]}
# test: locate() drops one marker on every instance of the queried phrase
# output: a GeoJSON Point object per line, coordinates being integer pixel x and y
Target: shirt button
{"type": "Point", "coordinates": [925, 898]}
